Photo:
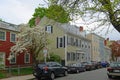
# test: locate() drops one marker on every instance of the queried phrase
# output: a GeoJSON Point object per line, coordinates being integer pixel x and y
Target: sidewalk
{"type": "Point", "coordinates": [25, 77]}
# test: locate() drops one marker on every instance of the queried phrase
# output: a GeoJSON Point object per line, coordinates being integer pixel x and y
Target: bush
{"type": "Point", "coordinates": [54, 57]}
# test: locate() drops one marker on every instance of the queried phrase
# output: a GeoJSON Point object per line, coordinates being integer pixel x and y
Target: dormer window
{"type": "Point", "coordinates": [49, 29]}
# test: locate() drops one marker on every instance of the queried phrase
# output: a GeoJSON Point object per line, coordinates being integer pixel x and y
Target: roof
{"type": "Point", "coordinates": [73, 29]}
{"type": "Point", "coordinates": [8, 26]}
{"type": "Point", "coordinates": [66, 27]}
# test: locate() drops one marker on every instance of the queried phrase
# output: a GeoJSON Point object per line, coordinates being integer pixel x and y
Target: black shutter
{"type": "Point", "coordinates": [57, 42]}
{"type": "Point", "coordinates": [45, 28]}
{"type": "Point", "coordinates": [64, 41]}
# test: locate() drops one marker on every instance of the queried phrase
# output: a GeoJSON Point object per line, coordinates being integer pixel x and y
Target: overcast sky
{"type": "Point", "coordinates": [20, 11]}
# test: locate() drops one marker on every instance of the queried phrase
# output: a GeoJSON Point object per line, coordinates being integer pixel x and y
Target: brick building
{"type": "Point", "coordinates": [8, 34]}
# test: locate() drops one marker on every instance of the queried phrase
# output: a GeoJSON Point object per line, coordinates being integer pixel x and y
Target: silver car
{"type": "Point", "coordinates": [113, 70]}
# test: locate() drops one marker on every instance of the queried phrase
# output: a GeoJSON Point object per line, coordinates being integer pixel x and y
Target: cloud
{"type": "Point", "coordinates": [17, 11]}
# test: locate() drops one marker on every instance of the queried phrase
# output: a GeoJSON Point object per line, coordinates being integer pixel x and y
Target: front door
{"type": "Point", "coordinates": [2, 60]}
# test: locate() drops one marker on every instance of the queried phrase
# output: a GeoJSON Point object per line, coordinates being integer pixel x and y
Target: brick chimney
{"type": "Point", "coordinates": [107, 39]}
{"type": "Point", "coordinates": [37, 20]}
{"type": "Point", "coordinates": [81, 28]}
{"type": "Point", "coordinates": [105, 42]}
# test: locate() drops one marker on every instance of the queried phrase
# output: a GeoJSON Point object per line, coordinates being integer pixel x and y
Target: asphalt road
{"type": "Point", "coordinates": [99, 74]}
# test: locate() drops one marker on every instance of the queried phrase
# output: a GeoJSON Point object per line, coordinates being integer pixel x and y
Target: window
{"type": "Point", "coordinates": [2, 60]}
{"type": "Point", "coordinates": [27, 58]}
{"type": "Point", "coordinates": [60, 42]}
{"type": "Point", "coordinates": [72, 41]}
{"type": "Point", "coordinates": [68, 56]}
{"type": "Point", "coordinates": [13, 60]}
{"type": "Point", "coordinates": [12, 37]}
{"type": "Point", "coordinates": [73, 56]}
{"type": "Point", "coordinates": [77, 42]}
{"type": "Point", "coordinates": [68, 40]}
{"type": "Point", "coordinates": [2, 35]}
{"type": "Point", "coordinates": [49, 29]}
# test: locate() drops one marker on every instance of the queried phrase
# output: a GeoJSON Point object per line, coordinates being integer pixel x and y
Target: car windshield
{"type": "Point", "coordinates": [41, 65]}
{"type": "Point", "coordinates": [115, 64]}
{"type": "Point", "coordinates": [73, 65]}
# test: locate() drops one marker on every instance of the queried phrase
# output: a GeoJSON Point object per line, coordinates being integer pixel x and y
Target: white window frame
{"type": "Point", "coordinates": [5, 35]}
{"type": "Point", "coordinates": [11, 37]}
{"type": "Point", "coordinates": [14, 57]}
{"type": "Point", "coordinates": [25, 61]}
{"type": "Point", "coordinates": [49, 29]}
{"type": "Point", "coordinates": [69, 40]}
{"type": "Point", "coordinates": [3, 61]}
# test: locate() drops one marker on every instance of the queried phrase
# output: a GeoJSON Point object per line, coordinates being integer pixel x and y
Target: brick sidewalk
{"type": "Point", "coordinates": [25, 77]}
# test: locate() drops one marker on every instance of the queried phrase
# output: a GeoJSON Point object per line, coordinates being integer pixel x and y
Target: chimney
{"type": "Point", "coordinates": [37, 20]}
{"type": "Point", "coordinates": [107, 39]}
{"type": "Point", "coordinates": [81, 28]}
{"type": "Point", "coordinates": [105, 42]}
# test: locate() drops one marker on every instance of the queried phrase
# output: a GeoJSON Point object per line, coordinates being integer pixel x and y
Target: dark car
{"type": "Point", "coordinates": [104, 64]}
{"type": "Point", "coordinates": [88, 65]}
{"type": "Point", "coordinates": [76, 68]}
{"type": "Point", "coordinates": [113, 70]}
{"type": "Point", "coordinates": [49, 70]}
{"type": "Point", "coordinates": [96, 64]}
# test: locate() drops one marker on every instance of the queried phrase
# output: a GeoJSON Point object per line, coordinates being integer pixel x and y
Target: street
{"type": "Point", "coordinates": [99, 74]}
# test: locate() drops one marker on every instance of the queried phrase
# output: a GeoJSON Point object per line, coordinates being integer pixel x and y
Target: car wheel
{"type": "Point", "coordinates": [84, 70]}
{"type": "Point", "coordinates": [52, 76]}
{"type": "Point", "coordinates": [109, 76]}
{"type": "Point", "coordinates": [65, 73]}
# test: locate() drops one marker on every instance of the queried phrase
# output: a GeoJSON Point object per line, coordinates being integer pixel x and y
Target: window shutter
{"type": "Point", "coordinates": [45, 28]}
{"type": "Point", "coordinates": [57, 42]}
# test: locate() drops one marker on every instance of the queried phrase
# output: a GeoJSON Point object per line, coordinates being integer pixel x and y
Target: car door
{"type": "Point", "coordinates": [61, 69]}
{"type": "Point", "coordinates": [56, 68]}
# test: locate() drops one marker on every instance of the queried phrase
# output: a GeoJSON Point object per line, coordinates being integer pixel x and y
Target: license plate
{"type": "Point", "coordinates": [116, 70]}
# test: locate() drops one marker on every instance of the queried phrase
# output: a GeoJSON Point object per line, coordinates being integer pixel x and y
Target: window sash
{"type": "Point", "coordinates": [13, 60]}
{"type": "Point", "coordinates": [13, 37]}
{"type": "Point", "coordinates": [2, 35]}
{"type": "Point", "coordinates": [27, 58]}
{"type": "Point", "coordinates": [60, 42]}
{"type": "Point", "coordinates": [49, 29]}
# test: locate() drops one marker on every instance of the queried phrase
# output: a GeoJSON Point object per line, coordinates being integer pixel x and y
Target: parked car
{"type": "Point", "coordinates": [96, 64]}
{"type": "Point", "coordinates": [76, 68]}
{"type": "Point", "coordinates": [113, 70]}
{"type": "Point", "coordinates": [88, 65]}
{"type": "Point", "coordinates": [49, 70]}
{"type": "Point", "coordinates": [105, 64]}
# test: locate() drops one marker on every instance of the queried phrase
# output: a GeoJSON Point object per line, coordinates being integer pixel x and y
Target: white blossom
{"type": "Point", "coordinates": [29, 39]}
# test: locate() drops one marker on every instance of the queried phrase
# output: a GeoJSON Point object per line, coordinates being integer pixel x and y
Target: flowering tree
{"type": "Point", "coordinates": [31, 40]}
{"type": "Point", "coordinates": [115, 47]}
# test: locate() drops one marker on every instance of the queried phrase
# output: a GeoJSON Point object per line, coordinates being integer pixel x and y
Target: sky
{"type": "Point", "coordinates": [20, 11]}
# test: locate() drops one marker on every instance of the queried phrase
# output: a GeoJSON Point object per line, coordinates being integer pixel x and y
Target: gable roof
{"type": "Point", "coordinates": [8, 26]}
{"type": "Point", "coordinates": [66, 27]}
